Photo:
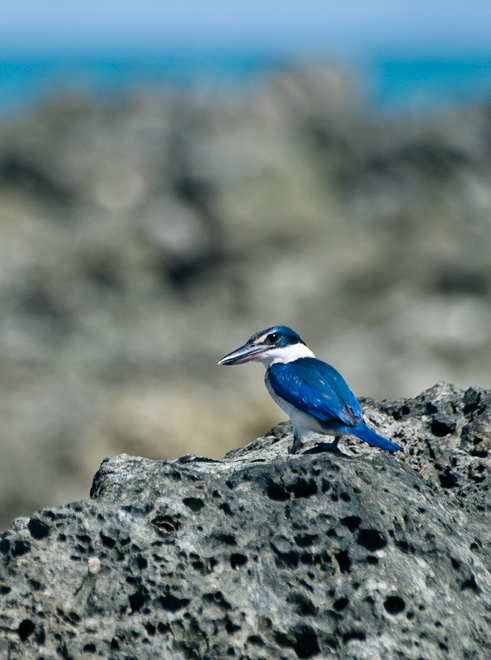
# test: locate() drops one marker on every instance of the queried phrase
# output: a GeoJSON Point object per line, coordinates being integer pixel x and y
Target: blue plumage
{"type": "Point", "coordinates": [317, 389]}
{"type": "Point", "coordinates": [313, 394]}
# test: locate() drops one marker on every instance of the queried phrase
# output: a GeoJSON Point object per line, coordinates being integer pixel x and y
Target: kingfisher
{"type": "Point", "coordinates": [313, 394]}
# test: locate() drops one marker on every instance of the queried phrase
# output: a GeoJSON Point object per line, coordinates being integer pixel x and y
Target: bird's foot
{"type": "Point", "coordinates": [326, 446]}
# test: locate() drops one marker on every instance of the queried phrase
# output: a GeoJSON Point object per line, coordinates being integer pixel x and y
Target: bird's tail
{"type": "Point", "coordinates": [364, 433]}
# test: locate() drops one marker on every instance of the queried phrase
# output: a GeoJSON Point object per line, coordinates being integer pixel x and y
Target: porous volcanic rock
{"type": "Point", "coordinates": [360, 554]}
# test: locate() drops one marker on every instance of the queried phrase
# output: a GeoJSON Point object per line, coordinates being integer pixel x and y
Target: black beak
{"type": "Point", "coordinates": [245, 353]}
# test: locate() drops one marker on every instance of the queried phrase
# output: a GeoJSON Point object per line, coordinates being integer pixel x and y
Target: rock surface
{"type": "Point", "coordinates": [265, 555]}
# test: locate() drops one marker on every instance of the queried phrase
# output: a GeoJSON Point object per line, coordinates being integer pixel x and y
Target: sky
{"type": "Point", "coordinates": [352, 26]}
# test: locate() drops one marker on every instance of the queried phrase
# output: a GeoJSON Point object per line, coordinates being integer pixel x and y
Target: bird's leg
{"type": "Point", "coordinates": [296, 444]}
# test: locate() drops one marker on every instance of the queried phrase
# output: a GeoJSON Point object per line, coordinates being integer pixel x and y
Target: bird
{"type": "Point", "coordinates": [314, 395]}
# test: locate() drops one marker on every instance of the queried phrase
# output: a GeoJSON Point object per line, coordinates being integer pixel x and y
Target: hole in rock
{"type": "Point", "coordinates": [226, 539]}
{"type": "Point", "coordinates": [38, 529]}
{"type": "Point", "coordinates": [20, 548]}
{"type": "Point", "coordinates": [171, 603]}
{"type": "Point", "coordinates": [231, 628]}
{"type": "Point", "coordinates": [303, 488]}
{"type": "Point", "coordinates": [25, 629]}
{"type": "Point", "coordinates": [306, 540]}
{"type": "Point", "coordinates": [194, 503]}
{"type": "Point", "coordinates": [394, 604]}
{"type": "Point", "coordinates": [440, 429]}
{"type": "Point", "coordinates": [137, 601]}
{"type": "Point", "coordinates": [164, 628]}
{"type": "Point", "coordinates": [83, 538]}
{"type": "Point", "coordinates": [371, 539]}
{"type": "Point", "coordinates": [353, 635]}
{"type": "Point", "coordinates": [89, 648]}
{"type": "Point", "coordinates": [405, 547]}
{"type": "Point", "coordinates": [237, 560]}
{"type": "Point", "coordinates": [107, 541]}
{"type": "Point", "coordinates": [351, 522]}
{"type": "Point", "coordinates": [286, 559]}
{"type": "Point", "coordinates": [302, 639]}
{"type": "Point", "coordinates": [340, 604]}
{"type": "Point", "coordinates": [303, 605]}
{"type": "Point", "coordinates": [372, 560]}
{"type": "Point", "coordinates": [447, 479]}
{"type": "Point", "coordinates": [277, 493]}
{"type": "Point", "coordinates": [344, 561]}
{"type": "Point", "coordinates": [470, 585]}
{"type": "Point", "coordinates": [305, 642]}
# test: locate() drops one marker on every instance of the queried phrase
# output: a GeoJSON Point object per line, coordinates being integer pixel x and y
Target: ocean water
{"type": "Point", "coordinates": [391, 85]}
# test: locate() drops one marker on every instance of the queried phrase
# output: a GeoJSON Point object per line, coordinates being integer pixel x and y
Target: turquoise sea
{"type": "Point", "coordinates": [391, 85]}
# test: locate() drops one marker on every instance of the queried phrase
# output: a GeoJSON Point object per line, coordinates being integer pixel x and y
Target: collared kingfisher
{"type": "Point", "coordinates": [313, 394]}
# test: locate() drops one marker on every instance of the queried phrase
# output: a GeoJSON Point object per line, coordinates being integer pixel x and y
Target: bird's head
{"type": "Point", "coordinates": [275, 344]}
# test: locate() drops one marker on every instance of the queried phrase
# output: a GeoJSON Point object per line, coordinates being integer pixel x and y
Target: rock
{"type": "Point", "coordinates": [265, 555]}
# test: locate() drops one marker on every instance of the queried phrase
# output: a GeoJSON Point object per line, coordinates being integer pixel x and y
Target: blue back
{"type": "Point", "coordinates": [317, 389]}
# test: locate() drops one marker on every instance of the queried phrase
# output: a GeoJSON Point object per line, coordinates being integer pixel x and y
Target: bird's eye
{"type": "Point", "coordinates": [273, 338]}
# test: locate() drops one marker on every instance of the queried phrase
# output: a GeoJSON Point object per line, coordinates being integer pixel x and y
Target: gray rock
{"type": "Point", "coordinates": [266, 555]}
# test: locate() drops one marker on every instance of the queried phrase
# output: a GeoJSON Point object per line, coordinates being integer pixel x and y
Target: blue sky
{"type": "Point", "coordinates": [308, 26]}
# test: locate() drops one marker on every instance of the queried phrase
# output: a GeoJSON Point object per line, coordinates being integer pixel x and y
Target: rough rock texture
{"type": "Point", "coordinates": [264, 555]}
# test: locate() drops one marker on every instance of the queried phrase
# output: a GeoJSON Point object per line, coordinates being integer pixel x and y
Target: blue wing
{"type": "Point", "coordinates": [317, 389]}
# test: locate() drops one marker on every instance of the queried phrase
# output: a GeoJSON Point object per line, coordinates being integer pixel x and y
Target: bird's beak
{"type": "Point", "coordinates": [245, 353]}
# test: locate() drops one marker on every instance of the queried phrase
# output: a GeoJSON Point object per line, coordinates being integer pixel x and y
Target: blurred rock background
{"type": "Point", "coordinates": [141, 241]}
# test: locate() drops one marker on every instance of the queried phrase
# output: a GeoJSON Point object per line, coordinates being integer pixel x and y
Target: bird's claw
{"type": "Point", "coordinates": [323, 447]}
